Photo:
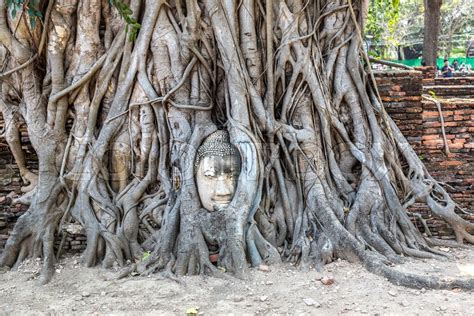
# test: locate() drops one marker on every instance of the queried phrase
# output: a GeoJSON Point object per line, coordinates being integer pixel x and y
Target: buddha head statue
{"type": "Point", "coordinates": [217, 168]}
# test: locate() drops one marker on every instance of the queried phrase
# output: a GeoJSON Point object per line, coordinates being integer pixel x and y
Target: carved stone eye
{"type": "Point", "coordinates": [210, 175]}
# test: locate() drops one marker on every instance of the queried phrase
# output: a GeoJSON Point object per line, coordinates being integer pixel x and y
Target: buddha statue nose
{"type": "Point", "coordinates": [223, 187]}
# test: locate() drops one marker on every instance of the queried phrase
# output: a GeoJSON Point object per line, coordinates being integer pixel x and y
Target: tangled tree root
{"type": "Point", "coordinates": [325, 172]}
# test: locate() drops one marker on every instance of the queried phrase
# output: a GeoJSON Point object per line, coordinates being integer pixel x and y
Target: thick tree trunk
{"type": "Point", "coordinates": [324, 171]}
{"type": "Point", "coordinates": [431, 31]}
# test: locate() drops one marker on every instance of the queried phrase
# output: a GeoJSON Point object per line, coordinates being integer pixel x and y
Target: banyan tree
{"type": "Point", "coordinates": [211, 136]}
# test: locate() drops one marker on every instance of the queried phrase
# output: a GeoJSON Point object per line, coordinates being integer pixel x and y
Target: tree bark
{"type": "Point", "coordinates": [431, 31]}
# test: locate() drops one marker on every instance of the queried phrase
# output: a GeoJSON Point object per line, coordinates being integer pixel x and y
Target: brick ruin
{"type": "Point", "coordinates": [417, 118]}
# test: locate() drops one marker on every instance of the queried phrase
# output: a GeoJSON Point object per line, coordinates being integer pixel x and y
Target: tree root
{"type": "Point", "coordinates": [325, 172]}
{"type": "Point", "coordinates": [411, 280]}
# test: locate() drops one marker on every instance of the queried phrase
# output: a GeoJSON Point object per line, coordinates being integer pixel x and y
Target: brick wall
{"type": "Point", "coordinates": [456, 81]}
{"type": "Point", "coordinates": [400, 93]}
{"type": "Point", "coordinates": [456, 168]}
{"type": "Point", "coordinates": [10, 183]}
{"type": "Point", "coordinates": [456, 87]}
{"type": "Point", "coordinates": [419, 121]}
{"type": "Point", "coordinates": [10, 187]}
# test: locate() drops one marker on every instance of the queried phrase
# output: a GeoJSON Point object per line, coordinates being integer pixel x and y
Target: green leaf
{"type": "Point", "coordinates": [193, 311]}
{"type": "Point", "coordinates": [145, 255]}
{"type": "Point", "coordinates": [132, 26]}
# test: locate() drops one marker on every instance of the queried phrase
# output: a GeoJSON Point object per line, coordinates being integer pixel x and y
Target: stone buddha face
{"type": "Point", "coordinates": [217, 168]}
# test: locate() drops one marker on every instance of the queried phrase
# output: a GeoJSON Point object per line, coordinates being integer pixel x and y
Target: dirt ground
{"type": "Point", "coordinates": [282, 290]}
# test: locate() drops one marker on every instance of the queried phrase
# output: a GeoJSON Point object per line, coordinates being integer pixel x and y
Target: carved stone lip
{"type": "Point", "coordinates": [222, 201]}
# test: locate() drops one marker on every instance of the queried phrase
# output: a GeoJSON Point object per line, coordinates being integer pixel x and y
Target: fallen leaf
{"type": "Point", "coordinates": [193, 311]}
{"type": "Point", "coordinates": [466, 269]}
{"type": "Point", "coordinates": [310, 302]}
{"type": "Point", "coordinates": [264, 268]}
{"type": "Point", "coordinates": [327, 281]}
{"type": "Point", "coordinates": [214, 257]}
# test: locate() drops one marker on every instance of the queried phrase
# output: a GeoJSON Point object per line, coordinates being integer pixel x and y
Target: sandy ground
{"type": "Point", "coordinates": [282, 290]}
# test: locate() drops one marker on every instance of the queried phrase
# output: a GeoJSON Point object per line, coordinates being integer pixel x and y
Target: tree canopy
{"type": "Point", "coordinates": [391, 24]}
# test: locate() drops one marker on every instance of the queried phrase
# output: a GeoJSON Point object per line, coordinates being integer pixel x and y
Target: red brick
{"type": "Point", "coordinates": [452, 163]}
{"type": "Point", "coordinates": [464, 112]}
{"type": "Point", "coordinates": [432, 131]}
{"type": "Point", "coordinates": [430, 137]}
{"type": "Point", "coordinates": [456, 146]}
{"type": "Point", "coordinates": [448, 124]}
{"type": "Point", "coordinates": [432, 124]}
{"type": "Point", "coordinates": [430, 114]}
{"type": "Point", "coordinates": [433, 142]}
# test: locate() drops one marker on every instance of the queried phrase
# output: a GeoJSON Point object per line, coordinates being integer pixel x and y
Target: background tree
{"type": "Point", "coordinates": [401, 24]}
{"type": "Point", "coordinates": [115, 123]}
{"type": "Point", "coordinates": [457, 18]}
{"type": "Point", "coordinates": [431, 31]}
{"type": "Point", "coordinates": [382, 26]}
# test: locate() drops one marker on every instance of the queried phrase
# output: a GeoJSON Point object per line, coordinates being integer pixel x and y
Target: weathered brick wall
{"type": "Point", "coordinates": [10, 188]}
{"type": "Point", "coordinates": [456, 87]}
{"type": "Point", "coordinates": [456, 168]}
{"type": "Point", "coordinates": [400, 93]}
{"type": "Point", "coordinates": [449, 89]}
{"type": "Point", "coordinates": [456, 81]}
{"type": "Point", "coordinates": [419, 121]}
{"type": "Point", "coordinates": [10, 183]}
